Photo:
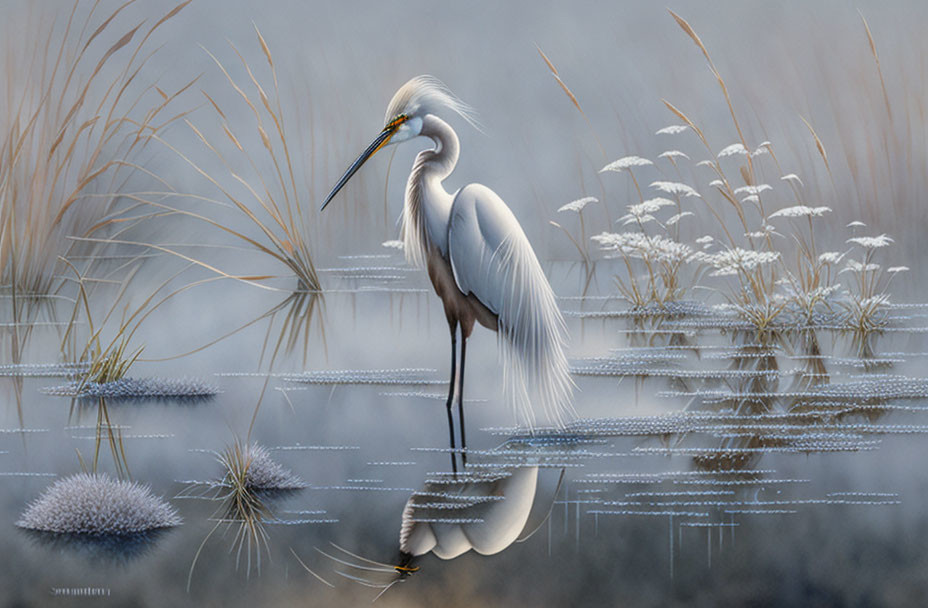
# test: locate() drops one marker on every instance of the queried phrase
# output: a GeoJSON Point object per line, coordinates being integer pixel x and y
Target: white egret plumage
{"type": "Point", "coordinates": [479, 260]}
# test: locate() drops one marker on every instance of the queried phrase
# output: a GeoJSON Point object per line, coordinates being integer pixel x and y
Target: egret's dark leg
{"type": "Point", "coordinates": [454, 347]}
{"type": "Point", "coordinates": [461, 400]}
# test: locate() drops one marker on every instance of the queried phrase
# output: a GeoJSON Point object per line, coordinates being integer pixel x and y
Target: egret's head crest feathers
{"type": "Point", "coordinates": [420, 96]}
{"type": "Point", "coordinates": [423, 95]}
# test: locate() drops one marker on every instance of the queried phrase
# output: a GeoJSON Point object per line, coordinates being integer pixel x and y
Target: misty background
{"type": "Point", "coordinates": [338, 66]}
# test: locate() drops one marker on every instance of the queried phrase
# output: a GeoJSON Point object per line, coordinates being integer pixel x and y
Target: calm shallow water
{"type": "Point", "coordinates": [808, 527]}
{"type": "Point", "coordinates": [650, 511]}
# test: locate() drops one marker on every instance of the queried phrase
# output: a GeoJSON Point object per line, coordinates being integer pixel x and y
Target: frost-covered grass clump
{"type": "Point", "coordinates": [98, 505]}
{"type": "Point", "coordinates": [137, 388]}
{"type": "Point", "coordinates": [250, 477]}
{"type": "Point", "coordinates": [251, 467]}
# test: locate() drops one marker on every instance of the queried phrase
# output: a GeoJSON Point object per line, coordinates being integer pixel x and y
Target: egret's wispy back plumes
{"type": "Point", "coordinates": [533, 337]}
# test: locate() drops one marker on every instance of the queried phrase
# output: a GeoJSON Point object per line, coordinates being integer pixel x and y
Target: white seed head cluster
{"type": "Point", "coordinates": [638, 245]}
{"type": "Point", "coordinates": [763, 148]}
{"type": "Point", "coordinates": [860, 267]}
{"type": "Point", "coordinates": [626, 162]}
{"type": "Point", "coordinates": [578, 205]}
{"type": "Point", "coordinates": [731, 261]}
{"type": "Point", "coordinates": [830, 257]}
{"type": "Point", "coordinates": [871, 242]}
{"type": "Point", "coordinates": [800, 211]}
{"type": "Point", "coordinates": [672, 154]}
{"type": "Point", "coordinates": [671, 130]}
{"type": "Point", "coordinates": [753, 190]}
{"type": "Point", "coordinates": [732, 150]}
{"type": "Point", "coordinates": [676, 218]}
{"type": "Point", "coordinates": [762, 233]}
{"type": "Point", "coordinates": [98, 505]}
{"type": "Point", "coordinates": [674, 188]}
{"type": "Point", "coordinates": [642, 212]}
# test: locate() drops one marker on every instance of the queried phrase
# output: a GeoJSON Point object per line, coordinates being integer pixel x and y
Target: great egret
{"type": "Point", "coordinates": [478, 258]}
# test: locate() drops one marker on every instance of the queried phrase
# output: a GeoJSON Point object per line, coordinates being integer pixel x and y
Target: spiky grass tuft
{"type": "Point", "coordinates": [137, 388]}
{"type": "Point", "coordinates": [98, 505]}
{"type": "Point", "coordinates": [249, 476]}
{"type": "Point", "coordinates": [250, 467]}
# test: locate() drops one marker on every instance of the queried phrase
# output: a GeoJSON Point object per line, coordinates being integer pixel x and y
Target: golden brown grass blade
{"type": "Point", "coordinates": [879, 68]}
{"type": "Point", "coordinates": [688, 29]}
{"type": "Point", "coordinates": [214, 104]}
{"type": "Point", "coordinates": [684, 24]}
{"type": "Point", "coordinates": [105, 23]}
{"type": "Point", "coordinates": [818, 143]}
{"type": "Point", "coordinates": [679, 114]}
{"type": "Point", "coordinates": [126, 39]}
{"type": "Point", "coordinates": [571, 96]}
{"type": "Point", "coordinates": [547, 61]}
{"type": "Point", "coordinates": [171, 14]}
{"type": "Point", "coordinates": [232, 137]}
{"type": "Point", "coordinates": [251, 279]}
{"type": "Point", "coordinates": [557, 77]}
{"type": "Point", "coordinates": [264, 47]}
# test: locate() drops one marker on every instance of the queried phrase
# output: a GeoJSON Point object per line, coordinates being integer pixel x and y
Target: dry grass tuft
{"type": "Point", "coordinates": [242, 505]}
{"type": "Point", "coordinates": [69, 133]}
{"type": "Point", "coordinates": [271, 203]}
{"type": "Point", "coordinates": [76, 116]}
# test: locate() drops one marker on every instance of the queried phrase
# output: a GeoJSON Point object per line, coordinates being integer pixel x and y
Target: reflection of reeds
{"type": "Point", "coordinates": [113, 439]}
{"type": "Point", "coordinates": [297, 310]}
{"type": "Point", "coordinates": [107, 362]}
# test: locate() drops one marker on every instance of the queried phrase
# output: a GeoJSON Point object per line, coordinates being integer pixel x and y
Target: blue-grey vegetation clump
{"type": "Point", "coordinates": [98, 505]}
{"type": "Point", "coordinates": [264, 473]}
{"type": "Point", "coordinates": [137, 388]}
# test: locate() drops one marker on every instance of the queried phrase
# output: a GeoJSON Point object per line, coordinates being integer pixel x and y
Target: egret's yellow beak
{"type": "Point", "coordinates": [379, 142]}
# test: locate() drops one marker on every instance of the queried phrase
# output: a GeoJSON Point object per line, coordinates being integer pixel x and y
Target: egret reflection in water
{"type": "Point", "coordinates": [485, 509]}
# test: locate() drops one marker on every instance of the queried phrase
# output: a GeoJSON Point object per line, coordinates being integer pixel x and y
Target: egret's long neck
{"type": "Point", "coordinates": [428, 205]}
{"type": "Point", "coordinates": [440, 160]}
